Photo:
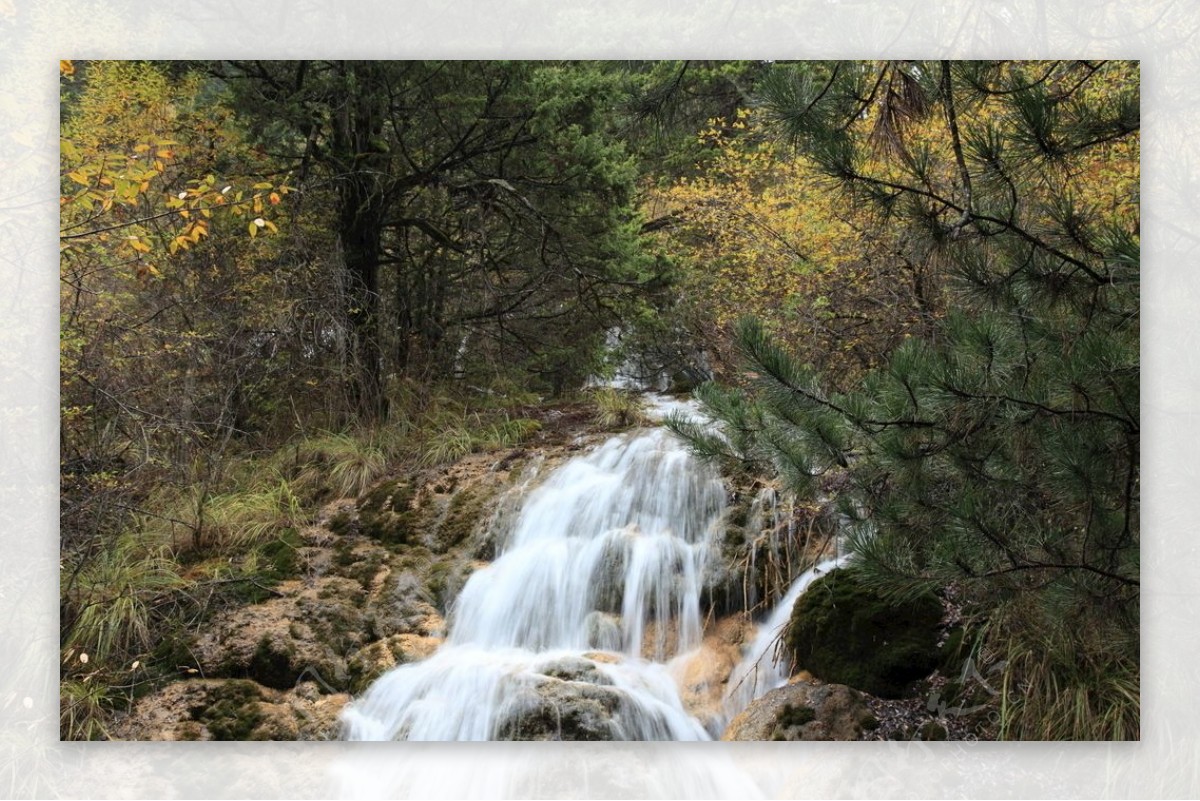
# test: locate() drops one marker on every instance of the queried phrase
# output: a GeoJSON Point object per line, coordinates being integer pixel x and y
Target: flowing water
{"type": "Point", "coordinates": [762, 669]}
{"type": "Point", "coordinates": [596, 589]}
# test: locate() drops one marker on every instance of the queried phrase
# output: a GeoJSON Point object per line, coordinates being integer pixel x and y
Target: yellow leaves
{"type": "Point", "coordinates": [66, 68]}
{"type": "Point", "coordinates": [138, 245]}
{"type": "Point", "coordinates": [145, 270]}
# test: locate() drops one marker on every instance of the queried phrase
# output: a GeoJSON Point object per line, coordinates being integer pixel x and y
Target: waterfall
{"type": "Point", "coordinates": [595, 590]}
{"type": "Point", "coordinates": [761, 669]}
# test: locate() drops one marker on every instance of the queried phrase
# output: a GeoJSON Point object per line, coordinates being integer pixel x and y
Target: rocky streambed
{"type": "Point", "coordinates": [376, 577]}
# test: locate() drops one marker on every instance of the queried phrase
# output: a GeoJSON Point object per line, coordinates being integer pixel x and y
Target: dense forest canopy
{"type": "Point", "coordinates": [910, 287]}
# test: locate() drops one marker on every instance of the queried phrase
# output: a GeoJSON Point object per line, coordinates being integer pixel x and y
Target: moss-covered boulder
{"type": "Point", "coordinates": [843, 632]}
{"type": "Point", "coordinates": [803, 711]}
{"type": "Point", "coordinates": [370, 662]}
{"type": "Point", "coordinates": [304, 633]}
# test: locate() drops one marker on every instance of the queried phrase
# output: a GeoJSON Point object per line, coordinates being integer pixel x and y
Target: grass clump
{"type": "Point", "coordinates": [342, 463]}
{"type": "Point", "coordinates": [109, 601]}
{"type": "Point", "coordinates": [617, 409]}
{"type": "Point", "coordinates": [454, 436]}
{"type": "Point", "coordinates": [251, 517]}
{"type": "Point", "coordinates": [1056, 685]}
{"type": "Point", "coordinates": [83, 707]}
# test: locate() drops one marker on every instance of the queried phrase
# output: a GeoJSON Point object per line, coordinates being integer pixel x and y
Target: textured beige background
{"type": "Point", "coordinates": [1163, 33]}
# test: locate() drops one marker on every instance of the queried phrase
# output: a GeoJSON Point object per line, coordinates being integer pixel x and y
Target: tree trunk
{"type": "Point", "coordinates": [363, 201]}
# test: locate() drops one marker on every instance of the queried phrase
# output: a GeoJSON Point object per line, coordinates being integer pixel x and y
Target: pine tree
{"type": "Point", "coordinates": [999, 453]}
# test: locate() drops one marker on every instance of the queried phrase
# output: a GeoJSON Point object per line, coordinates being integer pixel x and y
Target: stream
{"type": "Point", "coordinates": [580, 627]}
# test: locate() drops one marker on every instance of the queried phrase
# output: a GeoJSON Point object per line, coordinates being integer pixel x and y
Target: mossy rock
{"type": "Point", "coordinates": [803, 710]}
{"type": "Point", "coordinates": [563, 710]}
{"type": "Point", "coordinates": [280, 555]}
{"type": "Point", "coordinates": [845, 633]}
{"type": "Point", "coordinates": [230, 710]}
{"type": "Point", "coordinates": [462, 518]}
{"type": "Point", "coordinates": [386, 513]}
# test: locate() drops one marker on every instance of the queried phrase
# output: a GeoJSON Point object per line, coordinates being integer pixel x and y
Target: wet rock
{"type": "Point", "coordinates": [387, 514]}
{"type": "Point", "coordinates": [372, 661]}
{"type": "Point", "coordinates": [803, 711]}
{"type": "Point", "coordinates": [604, 631]}
{"type": "Point", "coordinates": [574, 668]}
{"type": "Point", "coordinates": [704, 675]}
{"type": "Point", "coordinates": [560, 710]}
{"type": "Point", "coordinates": [403, 603]}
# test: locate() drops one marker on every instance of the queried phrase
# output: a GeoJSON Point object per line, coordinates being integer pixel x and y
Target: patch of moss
{"type": "Point", "coordinates": [793, 715]}
{"type": "Point", "coordinates": [281, 555]}
{"type": "Point", "coordinates": [188, 731]}
{"type": "Point", "coordinates": [369, 663]}
{"type": "Point", "coordinates": [230, 710]}
{"type": "Point", "coordinates": [343, 523]}
{"type": "Point", "coordinates": [361, 567]}
{"type": "Point", "coordinates": [173, 651]}
{"type": "Point", "coordinates": [386, 513]}
{"type": "Point", "coordinates": [461, 518]}
{"type": "Point", "coordinates": [845, 633]}
{"type": "Point", "coordinates": [435, 584]}
{"type": "Point", "coordinates": [954, 652]}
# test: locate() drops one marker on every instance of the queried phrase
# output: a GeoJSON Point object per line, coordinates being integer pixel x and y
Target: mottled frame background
{"type": "Point", "coordinates": [1162, 33]}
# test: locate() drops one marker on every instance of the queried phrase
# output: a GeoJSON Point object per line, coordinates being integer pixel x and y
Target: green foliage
{"type": "Point", "coordinates": [83, 710]}
{"type": "Point", "coordinates": [484, 210]}
{"type": "Point", "coordinates": [346, 464]}
{"type": "Point", "coordinates": [109, 602]}
{"type": "Point", "coordinates": [998, 453]}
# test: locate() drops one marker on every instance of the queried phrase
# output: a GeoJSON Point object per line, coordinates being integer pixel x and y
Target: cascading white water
{"type": "Point", "coordinates": [760, 671]}
{"type": "Point", "coordinates": [606, 556]}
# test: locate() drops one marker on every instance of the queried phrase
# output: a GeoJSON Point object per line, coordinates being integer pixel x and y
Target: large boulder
{"type": "Point", "coordinates": [304, 633]}
{"type": "Point", "coordinates": [561, 709]}
{"type": "Point", "coordinates": [804, 710]}
{"type": "Point", "coordinates": [843, 632]}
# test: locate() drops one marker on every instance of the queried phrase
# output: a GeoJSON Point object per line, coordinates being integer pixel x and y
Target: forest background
{"type": "Point", "coordinates": [1159, 31]}
{"type": "Point", "coordinates": [282, 276]}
